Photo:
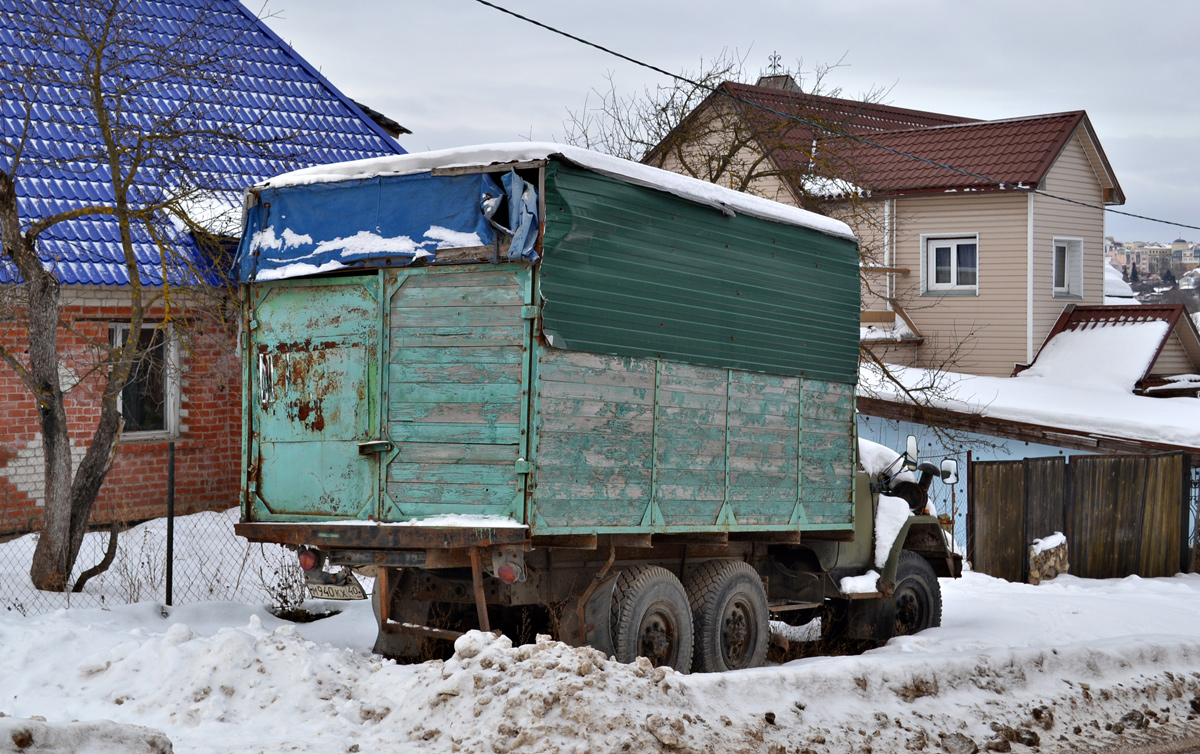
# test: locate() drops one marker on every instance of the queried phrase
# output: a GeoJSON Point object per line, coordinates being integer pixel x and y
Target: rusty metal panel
{"type": "Point", "coordinates": [312, 377]}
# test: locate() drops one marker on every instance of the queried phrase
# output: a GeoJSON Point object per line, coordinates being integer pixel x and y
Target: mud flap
{"type": "Point", "coordinates": [597, 619]}
{"type": "Point", "coordinates": [872, 619]}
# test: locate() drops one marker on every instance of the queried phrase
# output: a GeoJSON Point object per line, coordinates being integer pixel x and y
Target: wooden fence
{"type": "Point", "coordinates": [1122, 515]}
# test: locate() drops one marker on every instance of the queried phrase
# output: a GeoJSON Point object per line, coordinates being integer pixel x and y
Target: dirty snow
{"type": "Point", "coordinates": [624, 170]}
{"type": "Point", "coordinates": [1064, 660]}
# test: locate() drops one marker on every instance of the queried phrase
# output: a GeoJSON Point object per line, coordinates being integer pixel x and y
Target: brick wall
{"type": "Point", "coordinates": [207, 445]}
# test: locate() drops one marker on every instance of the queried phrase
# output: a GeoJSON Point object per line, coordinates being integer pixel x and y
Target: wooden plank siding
{"type": "Point", "coordinates": [980, 334]}
{"type": "Point", "coordinates": [1072, 177]}
{"type": "Point", "coordinates": [1122, 515]}
{"type": "Point", "coordinates": [456, 392]}
{"type": "Point", "coordinates": [651, 445]}
{"type": "Point", "coordinates": [997, 502]}
{"type": "Point", "coordinates": [988, 333]}
{"type": "Point", "coordinates": [1174, 358]}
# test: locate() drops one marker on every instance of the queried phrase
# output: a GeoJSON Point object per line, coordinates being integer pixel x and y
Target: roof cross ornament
{"type": "Point", "coordinates": [776, 66]}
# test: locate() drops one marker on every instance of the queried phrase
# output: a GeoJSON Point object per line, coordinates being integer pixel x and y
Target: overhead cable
{"type": "Point", "coordinates": [828, 129]}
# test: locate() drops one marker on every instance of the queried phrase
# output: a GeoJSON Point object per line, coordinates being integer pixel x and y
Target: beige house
{"type": "Point", "coordinates": [965, 269]}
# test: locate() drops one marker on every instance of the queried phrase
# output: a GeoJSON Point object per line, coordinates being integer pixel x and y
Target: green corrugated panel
{"type": "Point", "coordinates": [639, 272]}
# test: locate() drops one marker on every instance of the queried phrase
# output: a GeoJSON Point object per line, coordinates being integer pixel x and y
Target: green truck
{"type": "Point", "coordinates": [533, 388]}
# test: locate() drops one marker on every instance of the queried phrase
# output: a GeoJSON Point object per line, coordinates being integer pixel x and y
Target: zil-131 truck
{"type": "Point", "coordinates": [529, 387]}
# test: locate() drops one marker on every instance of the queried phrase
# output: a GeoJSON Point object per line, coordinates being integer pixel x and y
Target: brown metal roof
{"type": "Point", "coordinates": [843, 113]}
{"type": "Point", "coordinates": [1017, 152]}
{"type": "Point", "coordinates": [1083, 317]}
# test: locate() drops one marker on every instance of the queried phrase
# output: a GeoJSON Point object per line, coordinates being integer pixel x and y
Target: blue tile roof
{"type": "Point", "coordinates": [275, 92]}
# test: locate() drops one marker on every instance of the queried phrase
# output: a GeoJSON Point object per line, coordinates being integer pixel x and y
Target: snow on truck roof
{"type": "Point", "coordinates": [634, 173]}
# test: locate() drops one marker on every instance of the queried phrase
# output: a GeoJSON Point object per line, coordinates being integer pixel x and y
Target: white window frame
{"type": "Point", "coordinates": [1071, 278]}
{"type": "Point", "coordinates": [929, 284]}
{"type": "Point", "coordinates": [172, 388]}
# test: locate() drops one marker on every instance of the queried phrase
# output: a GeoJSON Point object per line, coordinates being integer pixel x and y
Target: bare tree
{"type": "Point", "coordinates": [146, 103]}
{"type": "Point", "coordinates": [795, 152]}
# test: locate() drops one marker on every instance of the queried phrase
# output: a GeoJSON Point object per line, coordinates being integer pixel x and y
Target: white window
{"type": "Point", "coordinates": [952, 265]}
{"type": "Point", "coordinates": [149, 402]}
{"type": "Point", "coordinates": [1068, 267]}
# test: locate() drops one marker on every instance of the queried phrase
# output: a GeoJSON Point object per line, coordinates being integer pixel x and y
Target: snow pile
{"type": "Point", "coordinates": [897, 332]}
{"type": "Point", "coordinates": [864, 584]}
{"type": "Point", "coordinates": [1115, 287]}
{"type": "Point", "coordinates": [877, 459]}
{"type": "Point", "coordinates": [1104, 356]}
{"type": "Point", "coordinates": [1081, 664]}
{"type": "Point", "coordinates": [889, 520]}
{"type": "Point", "coordinates": [460, 520]}
{"type": "Point", "coordinates": [1057, 539]}
{"type": "Point", "coordinates": [101, 737]}
{"type": "Point", "coordinates": [685, 187]}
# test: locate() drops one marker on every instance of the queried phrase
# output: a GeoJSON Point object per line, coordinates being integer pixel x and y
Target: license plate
{"type": "Point", "coordinates": [351, 590]}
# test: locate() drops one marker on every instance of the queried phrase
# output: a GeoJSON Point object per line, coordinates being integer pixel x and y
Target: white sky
{"type": "Point", "coordinates": [456, 72]}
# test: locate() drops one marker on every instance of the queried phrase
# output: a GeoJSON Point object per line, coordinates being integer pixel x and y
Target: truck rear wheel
{"type": "Point", "coordinates": [729, 611]}
{"type": "Point", "coordinates": [918, 595]}
{"type": "Point", "coordinates": [651, 618]}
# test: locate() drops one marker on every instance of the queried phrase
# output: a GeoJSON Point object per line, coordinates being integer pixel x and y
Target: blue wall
{"type": "Point", "coordinates": [949, 499]}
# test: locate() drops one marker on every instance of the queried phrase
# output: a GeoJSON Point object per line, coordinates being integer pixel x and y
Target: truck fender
{"type": "Point", "coordinates": [924, 536]}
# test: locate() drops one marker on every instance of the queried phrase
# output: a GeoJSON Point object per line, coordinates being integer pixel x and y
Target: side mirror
{"type": "Point", "coordinates": [949, 471]}
{"type": "Point", "coordinates": [910, 451]}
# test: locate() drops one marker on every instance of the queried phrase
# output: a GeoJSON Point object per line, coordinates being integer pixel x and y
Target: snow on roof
{"type": "Point", "coordinates": [1108, 354]}
{"type": "Point", "coordinates": [1096, 400]}
{"type": "Point", "coordinates": [1115, 285]}
{"type": "Point", "coordinates": [630, 172]}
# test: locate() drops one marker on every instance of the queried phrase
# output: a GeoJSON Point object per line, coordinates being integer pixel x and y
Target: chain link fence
{"type": "Point", "coordinates": [210, 563]}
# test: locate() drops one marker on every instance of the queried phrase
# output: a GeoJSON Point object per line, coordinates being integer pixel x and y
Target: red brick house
{"type": "Point", "coordinates": [187, 390]}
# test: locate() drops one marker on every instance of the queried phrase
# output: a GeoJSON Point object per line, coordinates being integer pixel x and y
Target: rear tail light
{"type": "Point", "coordinates": [508, 573]}
{"type": "Point", "coordinates": [309, 559]}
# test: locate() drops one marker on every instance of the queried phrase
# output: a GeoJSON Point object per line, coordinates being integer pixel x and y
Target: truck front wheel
{"type": "Point", "coordinates": [730, 613]}
{"type": "Point", "coordinates": [651, 618]}
{"type": "Point", "coordinates": [918, 595]}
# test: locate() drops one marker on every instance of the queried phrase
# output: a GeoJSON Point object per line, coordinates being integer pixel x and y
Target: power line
{"type": "Point", "coordinates": [821, 126]}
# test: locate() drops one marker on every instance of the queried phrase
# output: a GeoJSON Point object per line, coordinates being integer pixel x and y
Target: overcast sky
{"type": "Point", "coordinates": [456, 72]}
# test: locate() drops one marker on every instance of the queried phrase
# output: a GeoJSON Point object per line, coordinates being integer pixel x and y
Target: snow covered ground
{"type": "Point", "coordinates": [1078, 664]}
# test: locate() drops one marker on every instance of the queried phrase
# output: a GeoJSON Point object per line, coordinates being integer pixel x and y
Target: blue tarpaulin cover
{"type": "Point", "coordinates": [320, 227]}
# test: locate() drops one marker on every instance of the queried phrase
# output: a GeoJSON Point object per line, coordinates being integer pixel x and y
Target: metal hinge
{"type": "Point", "coordinates": [523, 467]}
{"type": "Point", "coordinates": [530, 311]}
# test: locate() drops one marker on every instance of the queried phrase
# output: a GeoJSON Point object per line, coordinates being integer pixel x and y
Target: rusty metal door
{"type": "Point", "coordinates": [313, 403]}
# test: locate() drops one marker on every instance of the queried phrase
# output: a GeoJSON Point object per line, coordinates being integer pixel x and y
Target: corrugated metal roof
{"type": "Point", "coordinates": [275, 92]}
{"type": "Point", "coordinates": [1015, 151]}
{"type": "Point", "coordinates": [1018, 152]}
